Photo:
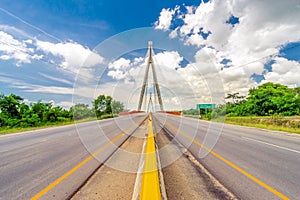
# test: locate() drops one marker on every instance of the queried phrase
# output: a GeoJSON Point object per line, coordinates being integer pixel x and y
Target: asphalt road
{"type": "Point", "coordinates": [44, 160]}
{"type": "Point", "coordinates": [252, 163]}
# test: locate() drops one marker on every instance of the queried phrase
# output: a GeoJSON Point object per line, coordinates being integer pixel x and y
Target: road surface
{"type": "Point", "coordinates": [31, 161]}
{"type": "Point", "coordinates": [252, 163]}
{"type": "Point", "coordinates": [52, 163]}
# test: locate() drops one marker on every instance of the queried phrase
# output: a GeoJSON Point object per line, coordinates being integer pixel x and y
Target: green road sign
{"type": "Point", "coordinates": [205, 105]}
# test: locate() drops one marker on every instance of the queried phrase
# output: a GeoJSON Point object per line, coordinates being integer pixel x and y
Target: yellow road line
{"type": "Point", "coordinates": [60, 179]}
{"type": "Point", "coordinates": [150, 188]}
{"type": "Point", "coordinates": [256, 180]}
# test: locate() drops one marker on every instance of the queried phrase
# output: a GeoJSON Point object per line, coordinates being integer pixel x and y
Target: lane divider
{"type": "Point", "coordinates": [253, 178]}
{"type": "Point", "coordinates": [74, 169]}
{"type": "Point", "coordinates": [150, 188]}
{"type": "Point", "coordinates": [138, 179]}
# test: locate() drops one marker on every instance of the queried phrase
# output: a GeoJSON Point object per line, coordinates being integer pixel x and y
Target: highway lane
{"type": "Point", "coordinates": [257, 164]}
{"type": "Point", "coordinates": [31, 161]}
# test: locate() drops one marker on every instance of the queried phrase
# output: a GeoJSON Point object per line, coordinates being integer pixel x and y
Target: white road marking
{"type": "Point", "coordinates": [274, 145]}
{"type": "Point", "coordinates": [138, 180]}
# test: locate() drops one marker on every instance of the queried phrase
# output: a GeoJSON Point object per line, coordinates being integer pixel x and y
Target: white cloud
{"type": "Point", "coordinates": [284, 72]}
{"type": "Point", "coordinates": [121, 63]}
{"type": "Point", "coordinates": [74, 55]}
{"type": "Point", "coordinates": [62, 80]}
{"type": "Point", "coordinates": [165, 18]}
{"type": "Point", "coordinates": [48, 89]}
{"type": "Point", "coordinates": [169, 59]}
{"type": "Point", "coordinates": [263, 28]}
{"type": "Point", "coordinates": [138, 60]}
{"type": "Point", "coordinates": [16, 44]}
{"type": "Point", "coordinates": [173, 33]}
{"type": "Point", "coordinates": [28, 87]}
{"type": "Point", "coordinates": [125, 69]}
{"type": "Point", "coordinates": [12, 48]}
{"type": "Point", "coordinates": [180, 87]}
{"type": "Point", "coordinates": [118, 74]}
{"type": "Point", "coordinates": [122, 68]}
{"type": "Point", "coordinates": [11, 30]}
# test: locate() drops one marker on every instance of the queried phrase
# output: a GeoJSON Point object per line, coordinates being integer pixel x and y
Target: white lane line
{"type": "Point", "coordinates": [138, 180]}
{"type": "Point", "coordinates": [273, 145]}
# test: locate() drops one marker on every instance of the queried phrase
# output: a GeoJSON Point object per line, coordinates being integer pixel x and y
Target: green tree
{"type": "Point", "coordinates": [81, 111]}
{"type": "Point", "coordinates": [117, 107]}
{"type": "Point", "coordinates": [41, 109]}
{"type": "Point", "coordinates": [108, 101]}
{"type": "Point", "coordinates": [15, 113]}
{"type": "Point", "coordinates": [102, 105]}
{"type": "Point", "coordinates": [267, 99]}
{"type": "Point", "coordinates": [99, 105]}
{"type": "Point", "coordinates": [10, 105]}
{"type": "Point", "coordinates": [232, 96]}
{"type": "Point", "coordinates": [235, 97]}
{"type": "Point", "coordinates": [105, 106]}
{"type": "Point", "coordinates": [271, 98]}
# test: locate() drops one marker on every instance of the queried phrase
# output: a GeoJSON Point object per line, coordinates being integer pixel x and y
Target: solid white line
{"type": "Point", "coordinates": [138, 180]}
{"type": "Point", "coordinates": [161, 176]}
{"type": "Point", "coordinates": [274, 145]}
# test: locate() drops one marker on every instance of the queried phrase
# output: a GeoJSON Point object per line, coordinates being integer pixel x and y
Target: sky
{"type": "Point", "coordinates": [69, 52]}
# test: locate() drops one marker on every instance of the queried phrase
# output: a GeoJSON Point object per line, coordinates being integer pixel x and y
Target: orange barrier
{"type": "Point", "coordinates": [172, 112]}
{"type": "Point", "coordinates": [139, 111]}
{"type": "Point", "coordinates": [130, 112]}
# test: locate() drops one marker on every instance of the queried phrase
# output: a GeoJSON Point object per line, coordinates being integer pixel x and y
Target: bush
{"type": "Point", "coordinates": [107, 116]}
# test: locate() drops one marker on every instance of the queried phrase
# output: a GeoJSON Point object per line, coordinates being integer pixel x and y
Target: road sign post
{"type": "Point", "coordinates": [205, 106]}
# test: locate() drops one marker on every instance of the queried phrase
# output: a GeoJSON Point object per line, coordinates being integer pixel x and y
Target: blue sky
{"type": "Point", "coordinates": [85, 22]}
{"type": "Point", "coordinates": [70, 51]}
{"type": "Point", "coordinates": [88, 22]}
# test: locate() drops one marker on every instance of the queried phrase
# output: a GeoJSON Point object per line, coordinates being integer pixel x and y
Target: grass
{"type": "Point", "coordinates": [4, 131]}
{"type": "Point", "coordinates": [287, 124]}
{"type": "Point", "coordinates": [278, 123]}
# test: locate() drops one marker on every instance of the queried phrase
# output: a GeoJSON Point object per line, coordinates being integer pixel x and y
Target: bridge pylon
{"type": "Point", "coordinates": [150, 63]}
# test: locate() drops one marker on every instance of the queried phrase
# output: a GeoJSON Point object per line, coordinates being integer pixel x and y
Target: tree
{"type": "Point", "coordinates": [15, 113]}
{"type": "Point", "coordinates": [271, 98]}
{"type": "Point", "coordinates": [41, 109]}
{"type": "Point", "coordinates": [266, 99]}
{"type": "Point", "coordinates": [105, 105]}
{"type": "Point", "coordinates": [117, 107]}
{"type": "Point", "coordinates": [81, 111]}
{"type": "Point", "coordinates": [108, 102]}
{"type": "Point", "coordinates": [102, 105]}
{"type": "Point", "coordinates": [99, 105]}
{"type": "Point", "coordinates": [9, 105]}
{"type": "Point", "coordinates": [235, 97]}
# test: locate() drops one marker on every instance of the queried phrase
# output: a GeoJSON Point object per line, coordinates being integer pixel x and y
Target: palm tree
{"type": "Point", "coordinates": [235, 97]}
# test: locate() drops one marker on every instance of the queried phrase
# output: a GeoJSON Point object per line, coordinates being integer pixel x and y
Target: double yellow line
{"type": "Point", "coordinates": [150, 188]}
{"type": "Point", "coordinates": [256, 180]}
{"type": "Point", "coordinates": [63, 177]}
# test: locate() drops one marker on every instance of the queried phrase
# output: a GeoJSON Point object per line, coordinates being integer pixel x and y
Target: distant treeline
{"type": "Point", "coordinates": [14, 112]}
{"type": "Point", "coordinates": [266, 100]}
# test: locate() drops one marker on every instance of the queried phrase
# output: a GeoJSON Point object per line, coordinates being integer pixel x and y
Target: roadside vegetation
{"type": "Point", "coordinates": [271, 106]}
{"type": "Point", "coordinates": [16, 115]}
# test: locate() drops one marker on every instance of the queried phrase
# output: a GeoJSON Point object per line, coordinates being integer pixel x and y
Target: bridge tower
{"type": "Point", "coordinates": [156, 86]}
